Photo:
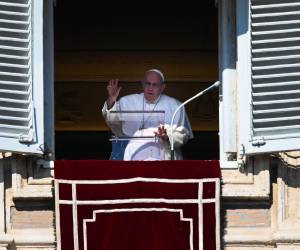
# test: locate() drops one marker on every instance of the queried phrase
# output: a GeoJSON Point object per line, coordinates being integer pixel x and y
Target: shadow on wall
{"type": "Point", "coordinates": [289, 170]}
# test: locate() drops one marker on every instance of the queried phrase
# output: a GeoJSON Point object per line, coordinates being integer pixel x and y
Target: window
{"type": "Point", "coordinates": [25, 77]}
{"type": "Point", "coordinates": [260, 105]}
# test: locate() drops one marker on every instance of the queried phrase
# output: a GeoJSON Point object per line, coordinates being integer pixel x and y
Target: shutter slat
{"type": "Point", "coordinates": [279, 40]}
{"type": "Point", "coordinates": [265, 120]}
{"type": "Point", "coordinates": [13, 13]}
{"type": "Point", "coordinates": [271, 111]}
{"type": "Point", "coordinates": [282, 128]}
{"type": "Point", "coordinates": [278, 66]}
{"type": "Point", "coordinates": [263, 85]}
{"type": "Point", "coordinates": [15, 118]}
{"type": "Point", "coordinates": [22, 66]}
{"type": "Point", "coordinates": [275, 75]}
{"type": "Point", "coordinates": [18, 101]}
{"type": "Point", "coordinates": [259, 59]}
{"type": "Point", "coordinates": [276, 93]}
{"type": "Point", "coordinates": [14, 21]}
{"type": "Point", "coordinates": [275, 49]}
{"type": "Point", "coordinates": [275, 14]}
{"type": "Point", "coordinates": [17, 92]}
{"type": "Point", "coordinates": [9, 135]}
{"type": "Point", "coordinates": [15, 30]}
{"type": "Point", "coordinates": [15, 57]}
{"type": "Point", "coordinates": [14, 127]}
{"type": "Point", "coordinates": [15, 4]}
{"type": "Point", "coordinates": [276, 102]}
{"type": "Point", "coordinates": [264, 24]}
{"type": "Point", "coordinates": [15, 48]}
{"type": "Point", "coordinates": [280, 31]}
{"type": "Point", "coordinates": [275, 67]}
{"type": "Point", "coordinates": [272, 6]}
{"type": "Point", "coordinates": [280, 134]}
{"type": "Point", "coordinates": [25, 84]}
{"type": "Point", "coordinates": [13, 74]}
{"type": "Point", "coordinates": [13, 39]}
{"type": "Point", "coordinates": [14, 109]}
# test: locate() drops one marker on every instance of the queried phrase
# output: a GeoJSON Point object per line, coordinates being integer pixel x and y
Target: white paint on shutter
{"type": "Point", "coordinates": [274, 82]}
{"type": "Point", "coordinates": [16, 110]}
{"type": "Point", "coordinates": [227, 76]}
{"type": "Point", "coordinates": [20, 22]}
{"type": "Point", "coordinates": [275, 68]}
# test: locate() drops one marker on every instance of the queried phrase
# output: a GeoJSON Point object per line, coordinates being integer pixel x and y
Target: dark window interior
{"type": "Point", "coordinates": [96, 27]}
{"type": "Point", "coordinates": [95, 145]}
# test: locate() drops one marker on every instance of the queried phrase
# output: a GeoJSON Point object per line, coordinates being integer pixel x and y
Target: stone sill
{"type": "Point", "coordinates": [260, 236]}
{"type": "Point", "coordinates": [287, 236]}
{"type": "Point", "coordinates": [33, 196]}
{"type": "Point", "coordinates": [30, 237]}
{"type": "Point", "coordinates": [247, 235]}
{"type": "Point", "coordinates": [34, 193]}
{"type": "Point", "coordinates": [241, 193]}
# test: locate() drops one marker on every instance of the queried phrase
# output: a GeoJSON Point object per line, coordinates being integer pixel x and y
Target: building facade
{"type": "Point", "coordinates": [259, 58]}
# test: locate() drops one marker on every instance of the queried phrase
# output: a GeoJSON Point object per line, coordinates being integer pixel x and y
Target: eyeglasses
{"type": "Point", "coordinates": [153, 85]}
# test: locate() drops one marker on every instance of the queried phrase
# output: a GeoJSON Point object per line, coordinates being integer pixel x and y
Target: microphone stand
{"type": "Point", "coordinates": [216, 84]}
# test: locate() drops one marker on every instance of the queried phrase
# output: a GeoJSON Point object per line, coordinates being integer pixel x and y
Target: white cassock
{"type": "Point", "coordinates": [182, 131]}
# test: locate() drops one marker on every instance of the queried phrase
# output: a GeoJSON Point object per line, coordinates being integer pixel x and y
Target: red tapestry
{"type": "Point", "coordinates": [137, 205]}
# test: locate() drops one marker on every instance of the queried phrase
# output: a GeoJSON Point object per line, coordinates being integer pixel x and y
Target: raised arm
{"type": "Point", "coordinates": [113, 91]}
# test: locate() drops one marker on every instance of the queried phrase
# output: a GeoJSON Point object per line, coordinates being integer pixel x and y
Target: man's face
{"type": "Point", "coordinates": [153, 86]}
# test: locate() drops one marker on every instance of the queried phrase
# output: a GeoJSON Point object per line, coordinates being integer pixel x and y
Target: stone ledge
{"type": "Point", "coordinates": [29, 238]}
{"type": "Point", "coordinates": [242, 192]}
{"type": "Point", "coordinates": [34, 193]}
{"type": "Point", "coordinates": [248, 236]}
{"type": "Point", "coordinates": [34, 237]}
{"type": "Point", "coordinates": [288, 236]}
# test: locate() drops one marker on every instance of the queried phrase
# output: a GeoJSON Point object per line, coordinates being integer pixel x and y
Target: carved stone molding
{"type": "Point", "coordinates": [290, 159]}
{"type": "Point", "coordinates": [289, 195]}
{"type": "Point", "coordinates": [29, 181]}
{"type": "Point", "coordinates": [253, 182]}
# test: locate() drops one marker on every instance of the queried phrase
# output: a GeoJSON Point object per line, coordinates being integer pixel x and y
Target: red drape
{"type": "Point", "coordinates": [136, 205]}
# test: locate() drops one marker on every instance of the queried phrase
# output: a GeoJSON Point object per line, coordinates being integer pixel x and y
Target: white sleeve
{"type": "Point", "coordinates": [180, 135]}
{"type": "Point", "coordinates": [112, 120]}
{"type": "Point", "coordinates": [105, 109]}
{"type": "Point", "coordinates": [182, 131]}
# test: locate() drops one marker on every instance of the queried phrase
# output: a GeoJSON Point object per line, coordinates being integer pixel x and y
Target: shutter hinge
{"type": "Point", "coordinates": [26, 138]}
{"type": "Point", "coordinates": [241, 159]}
{"type": "Point", "coordinates": [258, 142]}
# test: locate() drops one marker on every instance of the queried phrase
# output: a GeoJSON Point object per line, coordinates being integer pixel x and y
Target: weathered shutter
{"type": "Point", "coordinates": [275, 76]}
{"type": "Point", "coordinates": [21, 76]}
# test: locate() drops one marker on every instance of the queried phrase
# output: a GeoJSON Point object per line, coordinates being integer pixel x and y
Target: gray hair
{"type": "Point", "coordinates": [161, 75]}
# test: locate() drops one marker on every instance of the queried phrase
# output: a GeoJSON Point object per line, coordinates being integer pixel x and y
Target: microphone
{"type": "Point", "coordinates": [216, 84]}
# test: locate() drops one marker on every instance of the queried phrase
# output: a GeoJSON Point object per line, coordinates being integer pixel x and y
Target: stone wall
{"type": "Point", "coordinates": [260, 204]}
{"type": "Point", "coordinates": [269, 218]}
{"type": "Point", "coordinates": [27, 205]}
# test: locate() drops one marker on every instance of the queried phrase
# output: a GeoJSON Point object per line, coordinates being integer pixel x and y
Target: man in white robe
{"type": "Point", "coordinates": [152, 99]}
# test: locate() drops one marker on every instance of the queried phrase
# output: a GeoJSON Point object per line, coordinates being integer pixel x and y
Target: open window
{"type": "Point", "coordinates": [91, 48]}
{"type": "Point", "coordinates": [26, 76]}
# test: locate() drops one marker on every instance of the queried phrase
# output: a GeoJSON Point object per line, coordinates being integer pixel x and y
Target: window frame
{"type": "Point", "coordinates": [248, 145]}
{"type": "Point", "coordinates": [42, 96]}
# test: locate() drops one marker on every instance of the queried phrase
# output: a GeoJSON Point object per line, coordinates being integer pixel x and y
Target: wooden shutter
{"type": "Point", "coordinates": [274, 123]}
{"type": "Point", "coordinates": [21, 76]}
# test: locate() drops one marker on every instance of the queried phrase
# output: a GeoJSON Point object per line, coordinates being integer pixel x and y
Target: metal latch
{"type": "Point", "coordinates": [258, 142]}
{"type": "Point", "coordinates": [26, 138]}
